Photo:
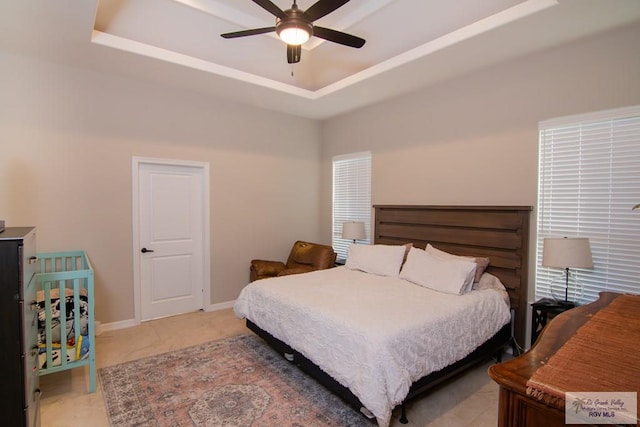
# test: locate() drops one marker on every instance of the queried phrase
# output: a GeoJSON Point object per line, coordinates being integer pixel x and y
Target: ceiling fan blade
{"type": "Point", "coordinates": [323, 7]}
{"type": "Point", "coordinates": [245, 33]}
{"type": "Point", "coordinates": [271, 8]}
{"type": "Point", "coordinates": [293, 53]}
{"type": "Point", "coordinates": [338, 37]}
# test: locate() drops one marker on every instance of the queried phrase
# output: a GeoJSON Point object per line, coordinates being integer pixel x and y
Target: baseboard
{"type": "Point", "coordinates": [122, 324]}
{"type": "Point", "coordinates": [220, 306]}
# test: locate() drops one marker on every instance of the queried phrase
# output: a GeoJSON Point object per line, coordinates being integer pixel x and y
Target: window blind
{"type": "Point", "coordinates": [589, 180]}
{"type": "Point", "coordinates": [351, 197]}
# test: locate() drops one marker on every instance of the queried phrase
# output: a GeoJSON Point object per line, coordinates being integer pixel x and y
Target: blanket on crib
{"type": "Point", "coordinates": [69, 315]}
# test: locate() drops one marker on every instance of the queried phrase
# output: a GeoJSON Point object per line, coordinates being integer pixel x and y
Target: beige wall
{"type": "Point", "coordinates": [474, 140]}
{"type": "Point", "coordinates": [67, 137]}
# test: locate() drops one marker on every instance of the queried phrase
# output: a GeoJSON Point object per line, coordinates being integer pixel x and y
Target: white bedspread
{"type": "Point", "coordinates": [376, 335]}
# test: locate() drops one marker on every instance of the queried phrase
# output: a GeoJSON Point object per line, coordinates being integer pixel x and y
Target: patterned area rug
{"type": "Point", "coordinates": [238, 381]}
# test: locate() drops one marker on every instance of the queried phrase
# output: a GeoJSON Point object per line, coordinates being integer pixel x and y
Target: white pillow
{"type": "Point", "coordinates": [444, 275]}
{"type": "Point", "coordinates": [468, 283]}
{"type": "Point", "coordinates": [383, 260]}
{"type": "Point", "coordinates": [489, 281]}
{"type": "Point", "coordinates": [445, 255]}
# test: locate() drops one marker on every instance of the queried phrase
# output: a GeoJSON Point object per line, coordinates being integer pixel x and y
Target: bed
{"type": "Point", "coordinates": [371, 346]}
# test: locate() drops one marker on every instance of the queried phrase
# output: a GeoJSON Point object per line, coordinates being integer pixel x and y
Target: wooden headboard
{"type": "Point", "coordinates": [498, 232]}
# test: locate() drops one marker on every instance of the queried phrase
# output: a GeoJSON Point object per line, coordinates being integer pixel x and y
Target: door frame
{"type": "Point", "coordinates": [136, 163]}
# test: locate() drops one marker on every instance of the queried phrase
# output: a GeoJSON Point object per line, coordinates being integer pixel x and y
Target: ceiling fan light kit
{"type": "Point", "coordinates": [295, 27]}
{"type": "Point", "coordinates": [293, 34]}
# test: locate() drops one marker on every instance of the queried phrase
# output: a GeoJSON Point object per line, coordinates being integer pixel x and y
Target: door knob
{"type": "Point", "coordinates": [145, 250]}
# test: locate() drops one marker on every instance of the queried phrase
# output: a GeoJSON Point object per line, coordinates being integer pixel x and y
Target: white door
{"type": "Point", "coordinates": [170, 243]}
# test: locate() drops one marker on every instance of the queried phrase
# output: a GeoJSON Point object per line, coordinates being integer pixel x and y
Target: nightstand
{"type": "Point", "coordinates": [542, 311]}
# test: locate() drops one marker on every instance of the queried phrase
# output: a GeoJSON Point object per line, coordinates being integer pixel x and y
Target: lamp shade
{"type": "Point", "coordinates": [566, 252]}
{"type": "Point", "coordinates": [353, 230]}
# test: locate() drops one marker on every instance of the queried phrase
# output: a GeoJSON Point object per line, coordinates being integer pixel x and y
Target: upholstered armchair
{"type": "Point", "coordinates": [304, 257]}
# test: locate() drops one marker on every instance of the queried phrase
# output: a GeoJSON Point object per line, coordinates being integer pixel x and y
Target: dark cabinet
{"type": "Point", "coordinates": [19, 394]}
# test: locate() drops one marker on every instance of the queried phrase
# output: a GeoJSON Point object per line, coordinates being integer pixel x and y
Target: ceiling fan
{"type": "Point", "coordinates": [295, 26]}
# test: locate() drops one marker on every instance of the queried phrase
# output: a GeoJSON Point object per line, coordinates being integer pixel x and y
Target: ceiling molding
{"type": "Point", "coordinates": [410, 44]}
{"type": "Point", "coordinates": [215, 7]}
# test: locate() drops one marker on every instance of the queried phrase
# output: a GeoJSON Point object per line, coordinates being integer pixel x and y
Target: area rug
{"type": "Point", "coordinates": [238, 381]}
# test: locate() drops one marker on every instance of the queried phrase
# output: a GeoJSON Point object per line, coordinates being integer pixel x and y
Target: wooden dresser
{"type": "Point", "coordinates": [516, 408]}
{"type": "Point", "coordinates": [19, 394]}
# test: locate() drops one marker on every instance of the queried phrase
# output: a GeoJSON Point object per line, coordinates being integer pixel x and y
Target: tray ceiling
{"type": "Point", "coordinates": [410, 43]}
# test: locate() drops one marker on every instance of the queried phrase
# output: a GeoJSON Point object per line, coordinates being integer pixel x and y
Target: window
{"type": "Point", "coordinates": [351, 197]}
{"type": "Point", "coordinates": [589, 180]}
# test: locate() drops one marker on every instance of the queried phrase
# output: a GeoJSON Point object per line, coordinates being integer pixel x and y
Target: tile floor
{"type": "Point", "coordinates": [469, 400]}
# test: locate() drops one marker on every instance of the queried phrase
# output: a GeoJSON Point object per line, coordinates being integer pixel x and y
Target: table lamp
{"type": "Point", "coordinates": [566, 252]}
{"type": "Point", "coordinates": [353, 230]}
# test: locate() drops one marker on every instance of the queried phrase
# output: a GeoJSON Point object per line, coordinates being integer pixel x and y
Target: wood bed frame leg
{"type": "Point", "coordinates": [403, 415]}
